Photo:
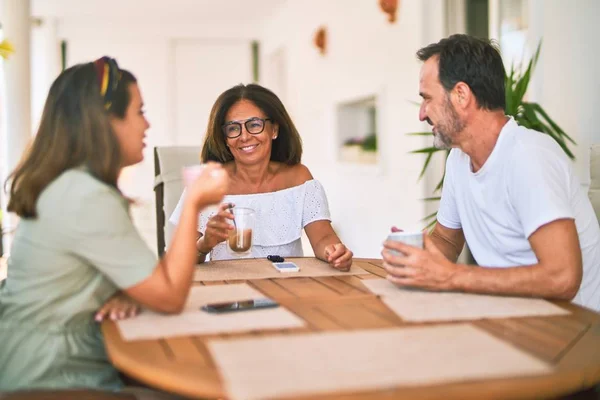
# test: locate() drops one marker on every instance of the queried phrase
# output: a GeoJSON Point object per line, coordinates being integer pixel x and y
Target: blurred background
{"type": "Point", "coordinates": [345, 69]}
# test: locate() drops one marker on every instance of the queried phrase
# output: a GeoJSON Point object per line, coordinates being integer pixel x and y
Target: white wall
{"type": "Point", "coordinates": [566, 81]}
{"type": "Point", "coordinates": [366, 56]}
{"type": "Point", "coordinates": [202, 71]}
{"type": "Point", "coordinates": [45, 65]}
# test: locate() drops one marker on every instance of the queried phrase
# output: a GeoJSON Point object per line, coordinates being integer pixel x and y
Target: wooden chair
{"type": "Point", "coordinates": [168, 185]}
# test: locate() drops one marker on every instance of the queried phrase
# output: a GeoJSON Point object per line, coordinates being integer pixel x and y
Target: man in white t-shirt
{"type": "Point", "coordinates": [509, 191]}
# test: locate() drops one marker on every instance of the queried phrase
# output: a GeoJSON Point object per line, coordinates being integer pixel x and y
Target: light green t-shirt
{"type": "Point", "coordinates": [63, 266]}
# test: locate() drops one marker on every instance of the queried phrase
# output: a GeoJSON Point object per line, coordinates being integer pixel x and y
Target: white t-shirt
{"type": "Point", "coordinates": [280, 218]}
{"type": "Point", "coordinates": [527, 182]}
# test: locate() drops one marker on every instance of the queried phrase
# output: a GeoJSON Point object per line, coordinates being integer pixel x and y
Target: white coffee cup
{"type": "Point", "coordinates": [414, 239]}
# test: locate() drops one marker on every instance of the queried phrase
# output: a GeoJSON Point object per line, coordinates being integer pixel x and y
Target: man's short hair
{"type": "Point", "coordinates": [476, 62]}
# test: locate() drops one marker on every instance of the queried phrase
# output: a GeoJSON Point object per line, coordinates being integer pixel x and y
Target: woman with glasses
{"type": "Point", "coordinates": [253, 136]}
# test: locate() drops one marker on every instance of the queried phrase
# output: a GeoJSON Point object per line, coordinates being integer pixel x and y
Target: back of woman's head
{"type": "Point", "coordinates": [286, 149]}
{"type": "Point", "coordinates": [74, 131]}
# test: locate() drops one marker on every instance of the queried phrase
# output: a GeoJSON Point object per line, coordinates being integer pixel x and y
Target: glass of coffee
{"type": "Point", "coordinates": [239, 243]}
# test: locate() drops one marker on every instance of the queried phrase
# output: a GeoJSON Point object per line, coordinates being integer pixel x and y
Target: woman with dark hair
{"type": "Point", "coordinates": [253, 136]}
{"type": "Point", "coordinates": [76, 247]}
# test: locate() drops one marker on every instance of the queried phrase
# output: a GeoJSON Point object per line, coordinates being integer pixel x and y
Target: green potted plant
{"type": "Point", "coordinates": [528, 114]}
{"type": "Point", "coordinates": [360, 150]}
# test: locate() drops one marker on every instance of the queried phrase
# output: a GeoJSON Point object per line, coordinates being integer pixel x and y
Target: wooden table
{"type": "Point", "coordinates": [183, 365]}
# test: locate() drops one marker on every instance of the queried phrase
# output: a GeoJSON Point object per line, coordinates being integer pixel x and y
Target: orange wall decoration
{"type": "Point", "coordinates": [321, 39]}
{"type": "Point", "coordinates": [389, 7]}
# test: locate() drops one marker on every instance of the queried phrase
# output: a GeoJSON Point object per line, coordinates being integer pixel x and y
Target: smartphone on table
{"type": "Point", "coordinates": [244, 305]}
{"type": "Point", "coordinates": [286, 266]}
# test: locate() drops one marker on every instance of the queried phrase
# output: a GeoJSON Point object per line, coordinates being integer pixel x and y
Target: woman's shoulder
{"type": "Point", "coordinates": [81, 180]}
{"type": "Point", "coordinates": [294, 175]}
{"type": "Point", "coordinates": [76, 192]}
{"type": "Point", "coordinates": [78, 184]}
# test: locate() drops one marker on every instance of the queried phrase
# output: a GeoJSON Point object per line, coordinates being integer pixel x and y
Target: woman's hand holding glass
{"type": "Point", "coordinates": [217, 229]}
{"type": "Point", "coordinates": [339, 256]}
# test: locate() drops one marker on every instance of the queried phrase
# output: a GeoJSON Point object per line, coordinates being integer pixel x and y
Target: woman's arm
{"type": "Point", "coordinates": [327, 245]}
{"type": "Point", "coordinates": [166, 289]}
{"type": "Point", "coordinates": [202, 248]}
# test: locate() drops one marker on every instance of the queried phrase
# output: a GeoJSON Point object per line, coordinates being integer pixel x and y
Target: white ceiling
{"type": "Point", "coordinates": [137, 10]}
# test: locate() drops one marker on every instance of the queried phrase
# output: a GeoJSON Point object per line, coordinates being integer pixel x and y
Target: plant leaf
{"type": "Point", "coordinates": [536, 56]}
{"type": "Point", "coordinates": [522, 84]}
{"type": "Point", "coordinates": [553, 124]}
{"type": "Point", "coordinates": [434, 214]}
{"type": "Point", "coordinates": [439, 185]}
{"type": "Point", "coordinates": [420, 133]}
{"type": "Point", "coordinates": [431, 225]}
{"type": "Point", "coordinates": [432, 218]}
{"type": "Point", "coordinates": [508, 93]}
{"type": "Point", "coordinates": [529, 112]}
{"type": "Point", "coordinates": [427, 160]}
{"type": "Point", "coordinates": [425, 150]}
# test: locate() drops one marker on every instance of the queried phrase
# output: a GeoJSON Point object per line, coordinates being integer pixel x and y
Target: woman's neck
{"type": "Point", "coordinates": [255, 175]}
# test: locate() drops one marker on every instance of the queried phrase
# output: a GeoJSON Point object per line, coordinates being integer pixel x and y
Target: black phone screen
{"type": "Point", "coordinates": [244, 305]}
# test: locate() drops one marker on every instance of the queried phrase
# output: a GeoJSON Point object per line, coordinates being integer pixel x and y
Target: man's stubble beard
{"type": "Point", "coordinates": [446, 134]}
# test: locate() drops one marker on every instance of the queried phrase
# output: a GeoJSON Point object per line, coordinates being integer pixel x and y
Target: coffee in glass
{"type": "Point", "coordinates": [239, 243]}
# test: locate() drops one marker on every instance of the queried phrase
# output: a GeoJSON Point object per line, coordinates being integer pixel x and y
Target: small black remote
{"type": "Point", "coordinates": [274, 258]}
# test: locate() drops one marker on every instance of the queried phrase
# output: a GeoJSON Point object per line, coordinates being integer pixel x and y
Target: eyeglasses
{"type": "Point", "coordinates": [254, 126]}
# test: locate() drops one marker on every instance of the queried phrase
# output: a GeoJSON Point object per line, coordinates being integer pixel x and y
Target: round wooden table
{"type": "Point", "coordinates": [183, 365]}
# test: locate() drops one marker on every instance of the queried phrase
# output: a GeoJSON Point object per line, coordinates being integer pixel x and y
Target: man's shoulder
{"type": "Point", "coordinates": [532, 155]}
{"type": "Point", "coordinates": [527, 142]}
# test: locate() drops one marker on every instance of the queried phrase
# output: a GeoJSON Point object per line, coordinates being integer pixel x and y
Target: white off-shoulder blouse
{"type": "Point", "coordinates": [280, 218]}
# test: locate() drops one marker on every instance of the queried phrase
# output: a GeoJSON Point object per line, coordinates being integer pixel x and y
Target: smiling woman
{"type": "Point", "coordinates": [252, 134]}
{"type": "Point", "coordinates": [248, 104]}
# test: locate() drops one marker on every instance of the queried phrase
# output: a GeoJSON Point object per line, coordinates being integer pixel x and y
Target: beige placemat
{"type": "Point", "coordinates": [193, 321]}
{"type": "Point", "coordinates": [307, 364]}
{"type": "Point", "coordinates": [261, 268]}
{"type": "Point", "coordinates": [421, 306]}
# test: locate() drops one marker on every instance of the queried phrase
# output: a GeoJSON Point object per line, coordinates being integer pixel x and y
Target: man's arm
{"type": "Point", "coordinates": [449, 241]}
{"type": "Point", "coordinates": [557, 274]}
